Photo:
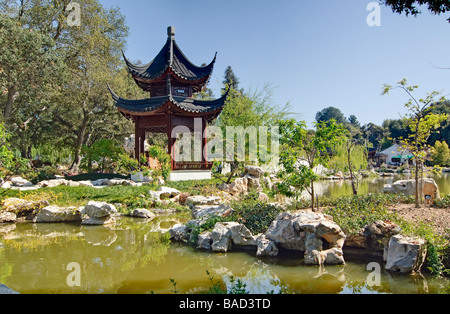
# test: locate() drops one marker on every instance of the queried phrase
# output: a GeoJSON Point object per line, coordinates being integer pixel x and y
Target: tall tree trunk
{"type": "Point", "coordinates": [81, 135]}
{"type": "Point", "coordinates": [417, 183]}
{"type": "Point", "coordinates": [313, 199]}
{"type": "Point", "coordinates": [12, 95]}
{"type": "Point", "coordinates": [352, 176]}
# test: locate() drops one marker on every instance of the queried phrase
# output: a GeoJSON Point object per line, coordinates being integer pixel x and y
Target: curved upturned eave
{"type": "Point", "coordinates": [155, 105]}
{"type": "Point", "coordinates": [145, 73]}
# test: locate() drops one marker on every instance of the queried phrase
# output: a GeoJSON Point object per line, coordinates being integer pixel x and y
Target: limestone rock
{"type": "Point", "coordinates": [142, 213]}
{"type": "Point", "coordinates": [117, 182]}
{"type": "Point", "coordinates": [238, 187]}
{"type": "Point", "coordinates": [52, 183]}
{"type": "Point", "coordinates": [100, 182]}
{"type": "Point", "coordinates": [179, 233]}
{"type": "Point", "coordinates": [196, 200]}
{"type": "Point", "coordinates": [205, 211]}
{"type": "Point", "coordinates": [282, 231]}
{"type": "Point", "coordinates": [55, 214]}
{"type": "Point", "coordinates": [307, 231]}
{"type": "Point", "coordinates": [204, 241]}
{"type": "Point", "coordinates": [240, 235]}
{"type": "Point", "coordinates": [86, 183]}
{"type": "Point", "coordinates": [254, 171]}
{"type": "Point", "coordinates": [405, 254]}
{"type": "Point", "coordinates": [5, 185]}
{"type": "Point", "coordinates": [408, 187]}
{"type": "Point", "coordinates": [99, 209]}
{"type": "Point", "coordinates": [373, 237]}
{"type": "Point", "coordinates": [221, 236]}
{"type": "Point", "coordinates": [262, 197]}
{"type": "Point", "coordinates": [168, 192]}
{"type": "Point", "coordinates": [7, 217]}
{"type": "Point", "coordinates": [266, 247]}
{"type": "Point", "coordinates": [22, 208]}
{"type": "Point", "coordinates": [21, 182]}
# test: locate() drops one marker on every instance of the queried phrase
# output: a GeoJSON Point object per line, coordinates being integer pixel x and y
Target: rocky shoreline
{"type": "Point", "coordinates": [316, 235]}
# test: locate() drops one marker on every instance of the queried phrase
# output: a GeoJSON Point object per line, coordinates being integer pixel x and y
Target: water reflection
{"type": "Point", "coordinates": [131, 257]}
{"type": "Point", "coordinates": [372, 185]}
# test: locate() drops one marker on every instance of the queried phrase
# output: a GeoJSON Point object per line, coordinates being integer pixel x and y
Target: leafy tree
{"type": "Point", "coordinates": [440, 154]}
{"type": "Point", "coordinates": [444, 131]}
{"type": "Point", "coordinates": [9, 164]}
{"type": "Point", "coordinates": [331, 113]}
{"type": "Point", "coordinates": [410, 7]}
{"type": "Point", "coordinates": [421, 122]}
{"type": "Point", "coordinates": [298, 143]}
{"type": "Point", "coordinates": [230, 79]}
{"type": "Point", "coordinates": [248, 110]}
{"type": "Point", "coordinates": [31, 75]}
{"type": "Point", "coordinates": [373, 134]}
{"type": "Point", "coordinates": [350, 156]}
{"type": "Point", "coordinates": [354, 121]}
{"type": "Point", "coordinates": [83, 109]}
{"type": "Point", "coordinates": [105, 153]}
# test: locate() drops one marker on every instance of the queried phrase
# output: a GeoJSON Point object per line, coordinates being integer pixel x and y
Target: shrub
{"type": "Point", "coordinates": [165, 166]}
{"type": "Point", "coordinates": [105, 153]}
{"type": "Point", "coordinates": [443, 202]}
{"type": "Point", "coordinates": [354, 212]}
{"type": "Point", "coordinates": [255, 215]}
{"type": "Point", "coordinates": [45, 173]}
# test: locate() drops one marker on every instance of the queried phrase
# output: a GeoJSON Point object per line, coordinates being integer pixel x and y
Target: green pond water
{"type": "Point", "coordinates": [134, 257]}
{"type": "Point", "coordinates": [373, 185]}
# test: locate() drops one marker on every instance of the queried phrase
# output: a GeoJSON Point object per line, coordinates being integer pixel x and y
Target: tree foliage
{"type": "Point", "coordinates": [411, 7]}
{"type": "Point", "coordinates": [78, 110]}
{"type": "Point", "coordinates": [421, 122]}
{"type": "Point", "coordinates": [302, 150]}
{"type": "Point", "coordinates": [440, 154]}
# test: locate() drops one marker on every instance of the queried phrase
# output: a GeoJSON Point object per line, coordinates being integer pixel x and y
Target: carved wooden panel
{"type": "Point", "coordinates": [180, 91]}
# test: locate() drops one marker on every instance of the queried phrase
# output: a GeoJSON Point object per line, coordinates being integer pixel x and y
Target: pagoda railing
{"type": "Point", "coordinates": [192, 165]}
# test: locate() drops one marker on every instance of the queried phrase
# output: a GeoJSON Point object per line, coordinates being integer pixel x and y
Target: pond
{"type": "Point", "coordinates": [373, 185]}
{"type": "Point", "coordinates": [133, 257]}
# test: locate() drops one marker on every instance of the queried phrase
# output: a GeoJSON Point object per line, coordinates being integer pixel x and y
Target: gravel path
{"type": "Point", "coordinates": [439, 218]}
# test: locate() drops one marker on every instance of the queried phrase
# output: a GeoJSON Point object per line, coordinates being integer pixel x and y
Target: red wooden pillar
{"type": "Point", "coordinates": [141, 142]}
{"type": "Point", "coordinates": [170, 140]}
{"type": "Point", "coordinates": [204, 143]}
{"type": "Point", "coordinates": [137, 144]}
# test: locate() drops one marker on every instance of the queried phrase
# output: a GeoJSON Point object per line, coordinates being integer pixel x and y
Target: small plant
{"type": "Point", "coordinates": [255, 215]}
{"type": "Point", "coordinates": [174, 284]}
{"type": "Point", "coordinates": [443, 202]}
{"type": "Point", "coordinates": [236, 286]}
{"type": "Point", "coordinates": [104, 153]}
{"type": "Point", "coordinates": [164, 161]}
{"type": "Point", "coordinates": [208, 225]}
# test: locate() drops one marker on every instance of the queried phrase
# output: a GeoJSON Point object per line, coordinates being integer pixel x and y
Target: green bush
{"type": "Point", "coordinates": [257, 216]}
{"type": "Point", "coordinates": [354, 212]}
{"type": "Point", "coordinates": [105, 153]}
{"type": "Point", "coordinates": [45, 173]}
{"type": "Point", "coordinates": [164, 160]}
{"type": "Point", "coordinates": [443, 202]}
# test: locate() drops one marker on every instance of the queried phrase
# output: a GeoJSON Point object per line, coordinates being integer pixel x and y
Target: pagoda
{"type": "Point", "coordinates": [171, 79]}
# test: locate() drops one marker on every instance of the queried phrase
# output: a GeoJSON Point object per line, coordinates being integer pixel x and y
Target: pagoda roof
{"type": "Point", "coordinates": [152, 105]}
{"type": "Point", "coordinates": [171, 57]}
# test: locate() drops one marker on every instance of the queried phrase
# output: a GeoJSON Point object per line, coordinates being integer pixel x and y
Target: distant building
{"type": "Point", "coordinates": [395, 155]}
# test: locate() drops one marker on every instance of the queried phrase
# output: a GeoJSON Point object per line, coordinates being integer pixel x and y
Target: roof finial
{"type": "Point", "coordinates": [171, 31]}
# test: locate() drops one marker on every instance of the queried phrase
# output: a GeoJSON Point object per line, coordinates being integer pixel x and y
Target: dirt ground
{"type": "Point", "coordinates": [439, 218]}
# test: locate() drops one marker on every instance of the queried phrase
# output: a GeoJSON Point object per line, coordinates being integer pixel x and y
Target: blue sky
{"type": "Point", "coordinates": [314, 54]}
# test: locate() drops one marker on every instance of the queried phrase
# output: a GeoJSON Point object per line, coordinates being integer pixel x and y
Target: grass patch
{"type": "Point", "coordinates": [96, 176]}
